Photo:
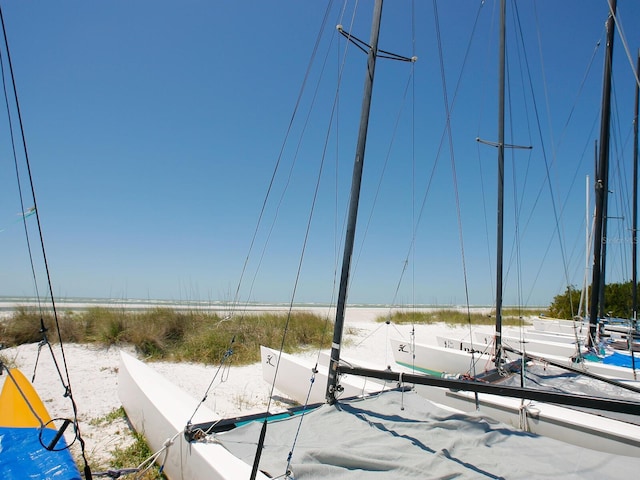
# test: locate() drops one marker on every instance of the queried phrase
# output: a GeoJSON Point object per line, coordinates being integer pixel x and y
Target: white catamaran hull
{"type": "Point", "coordinates": [159, 410]}
{"type": "Point", "coordinates": [294, 378]}
{"type": "Point", "coordinates": [451, 355]}
{"type": "Point", "coordinates": [565, 424]}
{"type": "Point", "coordinates": [541, 347]}
{"type": "Point", "coordinates": [440, 360]}
{"type": "Point", "coordinates": [568, 425]}
{"type": "Point", "coordinates": [566, 327]}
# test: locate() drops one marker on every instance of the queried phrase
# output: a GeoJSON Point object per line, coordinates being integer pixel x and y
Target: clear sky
{"type": "Point", "coordinates": [153, 129]}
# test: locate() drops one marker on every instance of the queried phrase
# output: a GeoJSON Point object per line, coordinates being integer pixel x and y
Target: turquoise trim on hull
{"type": "Point", "coordinates": [433, 373]}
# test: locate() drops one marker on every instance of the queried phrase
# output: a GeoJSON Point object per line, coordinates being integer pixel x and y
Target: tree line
{"type": "Point", "coordinates": [618, 301]}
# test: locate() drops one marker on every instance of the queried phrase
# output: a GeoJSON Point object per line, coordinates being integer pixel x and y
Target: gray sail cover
{"type": "Point", "coordinates": [398, 435]}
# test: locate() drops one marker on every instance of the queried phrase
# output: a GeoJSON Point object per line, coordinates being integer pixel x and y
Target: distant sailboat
{"type": "Point", "coordinates": [612, 365]}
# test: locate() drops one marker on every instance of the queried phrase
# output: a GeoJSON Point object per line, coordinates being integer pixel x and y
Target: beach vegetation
{"type": "Point", "coordinates": [167, 334]}
{"type": "Point", "coordinates": [24, 326]}
{"type": "Point", "coordinates": [6, 363]}
{"type": "Point", "coordinates": [113, 415]}
{"type": "Point", "coordinates": [454, 317]}
{"type": "Point", "coordinates": [617, 301]}
{"type": "Point", "coordinates": [134, 454]}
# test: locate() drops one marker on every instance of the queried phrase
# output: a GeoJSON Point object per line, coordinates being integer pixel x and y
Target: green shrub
{"type": "Point", "coordinates": [452, 317]}
{"type": "Point", "coordinates": [165, 334]}
{"type": "Point", "coordinates": [134, 455]}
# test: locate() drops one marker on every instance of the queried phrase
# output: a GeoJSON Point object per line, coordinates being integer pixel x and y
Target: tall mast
{"type": "Point", "coordinates": [501, 146]}
{"type": "Point", "coordinates": [634, 261]}
{"type": "Point", "coordinates": [500, 222]}
{"type": "Point", "coordinates": [356, 181]}
{"type": "Point", "coordinates": [584, 294]}
{"type": "Point", "coordinates": [602, 180]}
{"type": "Point", "coordinates": [587, 246]}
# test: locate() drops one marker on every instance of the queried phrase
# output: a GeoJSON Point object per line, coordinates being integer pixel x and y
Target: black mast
{"type": "Point", "coordinates": [602, 180]}
{"type": "Point", "coordinates": [500, 222]}
{"type": "Point", "coordinates": [332, 381]}
{"type": "Point", "coordinates": [634, 261]}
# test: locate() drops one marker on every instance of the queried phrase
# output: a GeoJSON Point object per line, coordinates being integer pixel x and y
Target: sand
{"type": "Point", "coordinates": [235, 391]}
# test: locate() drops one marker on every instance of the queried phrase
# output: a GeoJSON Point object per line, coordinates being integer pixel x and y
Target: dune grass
{"type": "Point", "coordinates": [193, 336]}
{"type": "Point", "coordinates": [510, 317]}
{"type": "Point", "coordinates": [134, 454]}
{"type": "Point", "coordinates": [166, 334]}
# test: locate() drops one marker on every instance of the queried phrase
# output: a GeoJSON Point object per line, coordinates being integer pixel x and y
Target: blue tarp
{"type": "Point", "coordinates": [22, 456]}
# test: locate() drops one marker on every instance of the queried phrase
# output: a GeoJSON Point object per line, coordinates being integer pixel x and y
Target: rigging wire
{"type": "Point", "coordinates": [517, 204]}
{"type": "Point", "coordinates": [276, 168]}
{"type": "Point", "coordinates": [623, 38]}
{"type": "Point", "coordinates": [620, 212]}
{"type": "Point", "coordinates": [484, 89]}
{"type": "Point", "coordinates": [350, 39]}
{"type": "Point", "coordinates": [307, 232]}
{"type": "Point", "coordinates": [431, 177]}
{"type": "Point", "coordinates": [551, 238]}
{"type": "Point", "coordinates": [16, 166]}
{"type": "Point", "coordinates": [548, 166]}
{"type": "Point", "coordinates": [421, 211]}
{"type": "Point", "coordinates": [227, 354]}
{"type": "Point", "coordinates": [65, 382]}
{"type": "Point", "coordinates": [323, 157]}
{"type": "Point", "coordinates": [315, 196]}
{"type": "Point", "coordinates": [541, 188]}
{"type": "Point", "coordinates": [452, 159]}
{"type": "Point", "coordinates": [596, 48]}
{"type": "Point", "coordinates": [410, 83]}
{"type": "Point", "coordinates": [587, 71]}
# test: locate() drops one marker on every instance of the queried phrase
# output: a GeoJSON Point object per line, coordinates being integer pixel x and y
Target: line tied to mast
{"type": "Point", "coordinates": [506, 145]}
{"type": "Point", "coordinates": [365, 47]}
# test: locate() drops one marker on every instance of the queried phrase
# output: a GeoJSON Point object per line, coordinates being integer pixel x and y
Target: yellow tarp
{"type": "Point", "coordinates": [20, 404]}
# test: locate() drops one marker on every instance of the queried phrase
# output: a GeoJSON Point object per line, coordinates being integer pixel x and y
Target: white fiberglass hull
{"type": "Point", "coordinates": [159, 410]}
{"type": "Point", "coordinates": [296, 379]}
{"type": "Point", "coordinates": [568, 425]}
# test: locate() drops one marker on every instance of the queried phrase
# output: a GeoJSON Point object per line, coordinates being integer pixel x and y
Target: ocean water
{"type": "Point", "coordinates": [10, 303]}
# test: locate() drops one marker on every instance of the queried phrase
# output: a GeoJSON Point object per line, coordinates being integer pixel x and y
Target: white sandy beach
{"type": "Point", "coordinates": [236, 391]}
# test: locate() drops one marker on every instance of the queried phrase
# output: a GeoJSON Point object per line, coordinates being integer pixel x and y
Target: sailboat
{"type": "Point", "coordinates": [564, 352]}
{"type": "Point", "coordinates": [569, 349]}
{"type": "Point", "coordinates": [385, 431]}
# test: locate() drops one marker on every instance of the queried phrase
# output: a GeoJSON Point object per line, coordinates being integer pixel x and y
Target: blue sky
{"type": "Point", "coordinates": [153, 129]}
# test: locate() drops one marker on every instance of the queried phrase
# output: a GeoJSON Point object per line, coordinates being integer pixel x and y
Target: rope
{"type": "Point", "coordinates": [277, 168]}
{"type": "Point", "coordinates": [227, 354]}
{"type": "Point", "coordinates": [67, 385]}
{"type": "Point", "coordinates": [288, 469]}
{"type": "Point", "coordinates": [308, 228]}
{"type": "Point", "coordinates": [547, 178]}
{"type": "Point", "coordinates": [116, 473]}
{"type": "Point", "coordinates": [145, 465]}
{"type": "Point", "coordinates": [523, 417]}
{"type": "Point", "coordinates": [365, 47]}
{"type": "Point", "coordinates": [456, 191]}
{"type": "Point", "coordinates": [361, 46]}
